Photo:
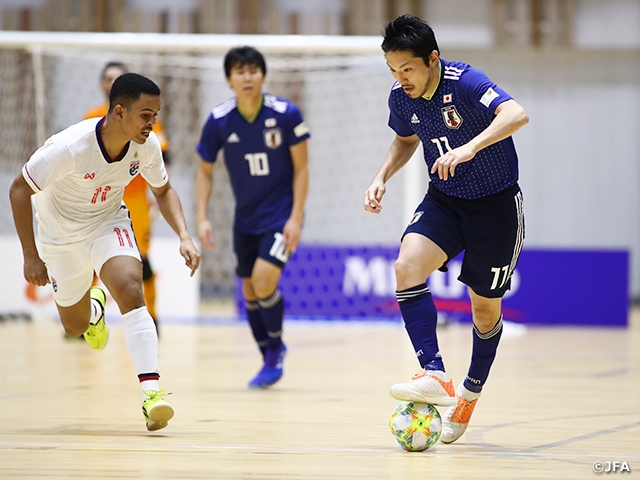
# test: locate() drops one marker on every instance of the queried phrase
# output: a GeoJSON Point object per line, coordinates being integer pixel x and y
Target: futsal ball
{"type": "Point", "coordinates": [415, 426]}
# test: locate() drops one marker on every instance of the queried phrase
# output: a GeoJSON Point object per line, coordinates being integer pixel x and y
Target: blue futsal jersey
{"type": "Point", "coordinates": [258, 159]}
{"type": "Point", "coordinates": [462, 106]}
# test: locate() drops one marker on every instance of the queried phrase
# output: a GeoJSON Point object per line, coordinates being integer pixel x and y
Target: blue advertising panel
{"type": "Point", "coordinates": [549, 287]}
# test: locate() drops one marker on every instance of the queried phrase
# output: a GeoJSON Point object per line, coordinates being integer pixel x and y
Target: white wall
{"type": "Point", "coordinates": [607, 24]}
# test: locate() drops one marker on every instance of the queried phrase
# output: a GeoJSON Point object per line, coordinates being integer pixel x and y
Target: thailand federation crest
{"type": "Point", "coordinates": [134, 166]}
{"type": "Point", "coordinates": [452, 118]}
{"type": "Point", "coordinates": [273, 137]}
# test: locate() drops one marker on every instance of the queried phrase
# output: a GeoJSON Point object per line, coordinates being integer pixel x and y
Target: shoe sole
{"type": "Point", "coordinates": [159, 416]}
{"type": "Point", "coordinates": [456, 435]}
{"type": "Point", "coordinates": [448, 441]}
{"type": "Point", "coordinates": [421, 398]}
{"type": "Point", "coordinates": [264, 384]}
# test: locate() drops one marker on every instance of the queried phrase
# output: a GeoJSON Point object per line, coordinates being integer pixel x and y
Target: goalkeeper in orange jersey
{"type": "Point", "coordinates": [135, 194]}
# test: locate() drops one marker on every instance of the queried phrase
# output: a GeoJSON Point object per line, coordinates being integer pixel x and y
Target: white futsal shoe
{"type": "Point", "coordinates": [456, 419]}
{"type": "Point", "coordinates": [426, 387]}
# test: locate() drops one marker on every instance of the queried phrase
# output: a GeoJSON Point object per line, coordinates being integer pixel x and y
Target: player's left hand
{"type": "Point", "coordinates": [292, 232]}
{"type": "Point", "coordinates": [446, 164]}
{"type": "Point", "coordinates": [190, 253]}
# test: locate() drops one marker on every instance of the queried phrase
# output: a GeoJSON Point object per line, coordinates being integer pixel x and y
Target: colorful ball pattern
{"type": "Point", "coordinates": [415, 426]}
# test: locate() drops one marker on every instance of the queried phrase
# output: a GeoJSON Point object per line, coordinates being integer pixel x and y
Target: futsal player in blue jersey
{"type": "Point", "coordinates": [473, 204]}
{"type": "Point", "coordinates": [264, 140]}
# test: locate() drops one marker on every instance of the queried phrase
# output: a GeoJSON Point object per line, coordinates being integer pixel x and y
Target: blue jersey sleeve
{"type": "Point", "coordinates": [480, 92]}
{"type": "Point", "coordinates": [210, 141]}
{"type": "Point", "coordinates": [396, 122]}
{"type": "Point", "coordinates": [297, 130]}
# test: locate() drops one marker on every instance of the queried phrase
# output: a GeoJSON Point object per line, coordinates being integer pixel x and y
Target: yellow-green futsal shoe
{"type": "Point", "coordinates": [97, 334]}
{"type": "Point", "coordinates": [157, 412]}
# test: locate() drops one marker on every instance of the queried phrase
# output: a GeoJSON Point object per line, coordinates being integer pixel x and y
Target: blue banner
{"type": "Point", "coordinates": [549, 287]}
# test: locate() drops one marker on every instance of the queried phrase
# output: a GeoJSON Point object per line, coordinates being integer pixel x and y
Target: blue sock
{"type": "Point", "coordinates": [258, 329]}
{"type": "Point", "coordinates": [272, 311]}
{"type": "Point", "coordinates": [420, 319]}
{"type": "Point", "coordinates": [484, 350]}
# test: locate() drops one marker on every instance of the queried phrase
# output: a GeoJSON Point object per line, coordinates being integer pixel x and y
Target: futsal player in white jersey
{"type": "Point", "coordinates": [76, 181]}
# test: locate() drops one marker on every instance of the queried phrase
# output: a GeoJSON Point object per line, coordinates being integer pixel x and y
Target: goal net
{"type": "Point", "coordinates": [48, 82]}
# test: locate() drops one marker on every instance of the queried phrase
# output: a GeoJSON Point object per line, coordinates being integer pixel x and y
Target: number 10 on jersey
{"type": "Point", "coordinates": [258, 164]}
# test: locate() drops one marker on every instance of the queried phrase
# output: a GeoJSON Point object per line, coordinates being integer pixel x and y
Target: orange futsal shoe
{"type": "Point", "coordinates": [456, 419]}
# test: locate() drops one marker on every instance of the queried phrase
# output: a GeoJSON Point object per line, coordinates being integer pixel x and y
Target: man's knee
{"type": "Point", "coordinates": [486, 315]}
{"type": "Point", "coordinates": [263, 287]}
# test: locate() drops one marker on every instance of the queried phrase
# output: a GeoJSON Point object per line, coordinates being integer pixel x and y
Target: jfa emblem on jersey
{"type": "Point", "coordinates": [134, 167]}
{"type": "Point", "coordinates": [452, 118]}
{"type": "Point", "coordinates": [273, 138]}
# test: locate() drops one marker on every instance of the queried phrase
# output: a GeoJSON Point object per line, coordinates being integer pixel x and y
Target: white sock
{"type": "Point", "coordinates": [96, 311]}
{"type": "Point", "coordinates": [468, 395]}
{"type": "Point", "coordinates": [142, 342]}
{"type": "Point", "coordinates": [149, 385]}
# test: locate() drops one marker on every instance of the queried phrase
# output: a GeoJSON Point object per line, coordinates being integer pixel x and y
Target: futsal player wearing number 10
{"type": "Point", "coordinates": [264, 140]}
{"type": "Point", "coordinates": [473, 204]}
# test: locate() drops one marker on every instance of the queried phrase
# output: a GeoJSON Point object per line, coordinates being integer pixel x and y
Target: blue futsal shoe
{"type": "Point", "coordinates": [272, 369]}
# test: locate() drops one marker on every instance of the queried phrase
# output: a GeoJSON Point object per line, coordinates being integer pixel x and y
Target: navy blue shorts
{"type": "Point", "coordinates": [490, 230]}
{"type": "Point", "coordinates": [267, 245]}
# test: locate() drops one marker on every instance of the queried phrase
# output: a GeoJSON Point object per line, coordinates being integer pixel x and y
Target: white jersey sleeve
{"type": "Point", "coordinates": [50, 163]}
{"type": "Point", "coordinates": [153, 169]}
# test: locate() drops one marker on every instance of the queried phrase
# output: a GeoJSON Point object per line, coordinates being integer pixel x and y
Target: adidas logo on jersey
{"type": "Point", "coordinates": [233, 138]}
{"type": "Point", "coordinates": [415, 119]}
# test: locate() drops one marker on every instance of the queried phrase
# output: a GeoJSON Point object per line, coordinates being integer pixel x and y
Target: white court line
{"type": "Point", "coordinates": [272, 448]}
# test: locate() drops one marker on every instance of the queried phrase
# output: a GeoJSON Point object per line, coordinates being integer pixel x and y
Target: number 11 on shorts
{"type": "Point", "coordinates": [497, 273]}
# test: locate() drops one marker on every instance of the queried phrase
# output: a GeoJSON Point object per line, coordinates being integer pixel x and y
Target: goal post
{"type": "Point", "coordinates": [48, 80]}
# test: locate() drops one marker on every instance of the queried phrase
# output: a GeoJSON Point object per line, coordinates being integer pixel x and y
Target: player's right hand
{"type": "Point", "coordinates": [35, 271]}
{"type": "Point", "coordinates": [191, 254]}
{"type": "Point", "coordinates": [373, 197]}
{"type": "Point", "coordinates": [205, 232]}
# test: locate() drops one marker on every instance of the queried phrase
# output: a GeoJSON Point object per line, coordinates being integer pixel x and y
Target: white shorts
{"type": "Point", "coordinates": [71, 265]}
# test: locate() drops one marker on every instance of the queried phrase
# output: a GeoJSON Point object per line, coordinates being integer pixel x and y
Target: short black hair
{"type": "Point", "coordinates": [410, 33]}
{"type": "Point", "coordinates": [114, 64]}
{"type": "Point", "coordinates": [128, 87]}
{"type": "Point", "coordinates": [241, 56]}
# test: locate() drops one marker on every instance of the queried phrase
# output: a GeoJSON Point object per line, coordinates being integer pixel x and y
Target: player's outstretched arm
{"type": "Point", "coordinates": [292, 230]}
{"type": "Point", "coordinates": [34, 269]}
{"type": "Point", "coordinates": [401, 150]}
{"type": "Point", "coordinates": [204, 182]}
{"type": "Point", "coordinates": [171, 209]}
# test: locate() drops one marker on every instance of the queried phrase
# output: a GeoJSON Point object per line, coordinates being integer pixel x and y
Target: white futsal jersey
{"type": "Point", "coordinates": [78, 186]}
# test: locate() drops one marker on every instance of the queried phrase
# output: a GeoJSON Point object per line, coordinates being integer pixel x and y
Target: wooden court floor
{"type": "Point", "coordinates": [558, 400]}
